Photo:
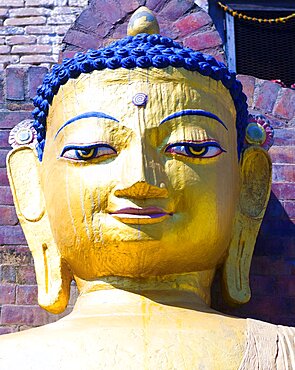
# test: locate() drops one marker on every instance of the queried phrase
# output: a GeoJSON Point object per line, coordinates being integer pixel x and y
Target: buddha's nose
{"type": "Point", "coordinates": [143, 175]}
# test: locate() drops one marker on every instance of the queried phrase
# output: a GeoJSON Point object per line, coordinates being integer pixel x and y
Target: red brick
{"type": "Point", "coordinates": [24, 21]}
{"type": "Point", "coordinates": [15, 85]}
{"type": "Point", "coordinates": [7, 274]}
{"type": "Point", "coordinates": [3, 177]}
{"type": "Point", "coordinates": [7, 293]}
{"type": "Point", "coordinates": [26, 294]}
{"type": "Point", "coordinates": [10, 119]}
{"type": "Point", "coordinates": [4, 139]}
{"type": "Point", "coordinates": [11, 235]}
{"type": "Point", "coordinates": [267, 94]}
{"type": "Point", "coordinates": [192, 23]}
{"type": "Point", "coordinates": [282, 154]}
{"type": "Point", "coordinates": [284, 191]}
{"type": "Point", "coordinates": [26, 275]}
{"type": "Point", "coordinates": [8, 215]}
{"type": "Point", "coordinates": [24, 315]}
{"type": "Point", "coordinates": [5, 195]}
{"type": "Point", "coordinates": [283, 173]}
{"type": "Point", "coordinates": [35, 78]}
{"type": "Point", "coordinates": [248, 83]}
{"type": "Point", "coordinates": [21, 39]}
{"type": "Point", "coordinates": [203, 40]}
{"type": "Point", "coordinates": [285, 104]}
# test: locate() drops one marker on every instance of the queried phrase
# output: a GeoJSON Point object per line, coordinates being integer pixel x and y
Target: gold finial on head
{"type": "Point", "coordinates": [143, 21]}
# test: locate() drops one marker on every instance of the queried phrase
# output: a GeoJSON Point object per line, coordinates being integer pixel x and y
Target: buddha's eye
{"type": "Point", "coordinates": [87, 152]}
{"type": "Point", "coordinates": [207, 149]}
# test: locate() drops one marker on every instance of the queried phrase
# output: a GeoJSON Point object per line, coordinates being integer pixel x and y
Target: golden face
{"type": "Point", "coordinates": [141, 190]}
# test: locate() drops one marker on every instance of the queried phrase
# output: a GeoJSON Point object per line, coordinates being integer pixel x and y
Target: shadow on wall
{"type": "Point", "coordinates": [272, 275]}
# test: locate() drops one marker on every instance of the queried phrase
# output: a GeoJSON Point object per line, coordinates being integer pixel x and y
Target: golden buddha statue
{"type": "Point", "coordinates": [141, 184]}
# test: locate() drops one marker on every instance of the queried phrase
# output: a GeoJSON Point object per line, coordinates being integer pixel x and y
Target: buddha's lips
{"type": "Point", "coordinates": [152, 212]}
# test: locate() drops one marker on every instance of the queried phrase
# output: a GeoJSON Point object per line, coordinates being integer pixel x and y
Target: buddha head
{"type": "Point", "coordinates": [140, 170]}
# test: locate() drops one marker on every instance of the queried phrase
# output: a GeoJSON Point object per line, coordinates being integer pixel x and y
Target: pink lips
{"type": "Point", "coordinates": [152, 212]}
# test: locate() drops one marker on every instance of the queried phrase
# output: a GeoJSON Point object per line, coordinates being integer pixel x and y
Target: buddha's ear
{"type": "Point", "coordinates": [255, 175]}
{"type": "Point", "coordinates": [53, 276]}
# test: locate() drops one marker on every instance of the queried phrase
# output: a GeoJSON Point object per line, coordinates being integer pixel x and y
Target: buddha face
{"type": "Point", "coordinates": [141, 189]}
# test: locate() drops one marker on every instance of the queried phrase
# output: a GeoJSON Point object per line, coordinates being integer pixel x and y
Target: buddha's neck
{"type": "Point", "coordinates": [185, 290]}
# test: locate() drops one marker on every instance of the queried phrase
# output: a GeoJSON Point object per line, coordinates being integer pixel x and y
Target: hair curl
{"type": "Point", "coordinates": [141, 51]}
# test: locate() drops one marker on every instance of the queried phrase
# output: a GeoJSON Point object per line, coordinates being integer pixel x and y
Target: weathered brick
{"type": "Point", "coordinates": [11, 30]}
{"type": "Point", "coordinates": [28, 315]}
{"type": "Point", "coordinates": [45, 3]}
{"type": "Point", "coordinates": [15, 84]}
{"type": "Point", "coordinates": [3, 177]}
{"type": "Point", "coordinates": [4, 139]}
{"type": "Point", "coordinates": [8, 329]}
{"type": "Point", "coordinates": [10, 119]}
{"type": "Point", "coordinates": [8, 215]}
{"type": "Point", "coordinates": [7, 293]}
{"type": "Point", "coordinates": [3, 13]}
{"type": "Point", "coordinates": [7, 59]}
{"type": "Point", "coordinates": [284, 137]}
{"type": "Point", "coordinates": [61, 19]}
{"type": "Point", "coordinates": [283, 172]}
{"type": "Point", "coordinates": [203, 40]}
{"type": "Point", "coordinates": [12, 235]}
{"type": "Point", "coordinates": [29, 49]}
{"type": "Point", "coordinates": [284, 191]}
{"type": "Point", "coordinates": [54, 40]}
{"type": "Point", "coordinates": [192, 22]}
{"type": "Point", "coordinates": [26, 295]}
{"type": "Point", "coordinates": [285, 104]}
{"type": "Point", "coordinates": [5, 196]}
{"type": "Point", "coordinates": [16, 255]}
{"type": "Point", "coordinates": [35, 78]}
{"type": "Point", "coordinates": [26, 275]}
{"type": "Point", "coordinates": [60, 2]}
{"type": "Point", "coordinates": [78, 2]}
{"type": "Point", "coordinates": [290, 210]}
{"type": "Point", "coordinates": [266, 96]}
{"type": "Point", "coordinates": [248, 83]}
{"type": "Point", "coordinates": [39, 30]}
{"type": "Point", "coordinates": [61, 30]}
{"type": "Point", "coordinates": [7, 274]}
{"type": "Point", "coordinates": [175, 9]}
{"type": "Point", "coordinates": [37, 59]}
{"type": "Point", "coordinates": [29, 12]}
{"type": "Point", "coordinates": [3, 154]}
{"type": "Point", "coordinates": [24, 21]}
{"type": "Point", "coordinates": [11, 3]}
{"type": "Point", "coordinates": [4, 49]}
{"type": "Point", "coordinates": [282, 154]}
{"type": "Point", "coordinates": [2, 40]}
{"type": "Point", "coordinates": [22, 39]}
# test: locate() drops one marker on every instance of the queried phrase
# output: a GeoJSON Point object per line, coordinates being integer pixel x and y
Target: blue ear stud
{"type": "Point", "coordinates": [140, 99]}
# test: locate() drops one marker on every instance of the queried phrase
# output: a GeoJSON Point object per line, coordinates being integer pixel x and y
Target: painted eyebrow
{"type": "Point", "coordinates": [85, 115]}
{"type": "Point", "coordinates": [193, 112]}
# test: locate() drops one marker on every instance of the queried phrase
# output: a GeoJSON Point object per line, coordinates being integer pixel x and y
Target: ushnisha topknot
{"type": "Point", "coordinates": [140, 51]}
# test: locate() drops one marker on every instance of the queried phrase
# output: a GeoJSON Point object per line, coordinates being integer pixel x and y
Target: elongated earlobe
{"type": "Point", "coordinates": [53, 275]}
{"type": "Point", "coordinates": [254, 195]}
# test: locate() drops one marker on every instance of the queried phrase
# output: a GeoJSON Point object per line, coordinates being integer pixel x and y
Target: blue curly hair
{"type": "Point", "coordinates": [141, 51]}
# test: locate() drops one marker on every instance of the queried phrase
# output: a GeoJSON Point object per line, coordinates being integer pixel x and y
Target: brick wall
{"type": "Point", "coordinates": [31, 31]}
{"type": "Point", "coordinates": [273, 271]}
